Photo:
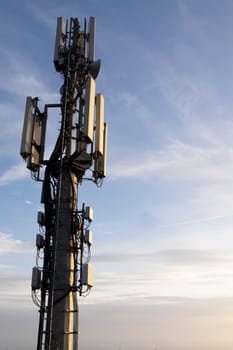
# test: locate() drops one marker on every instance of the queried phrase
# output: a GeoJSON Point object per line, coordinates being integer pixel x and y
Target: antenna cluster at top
{"type": "Point", "coordinates": [84, 129]}
{"type": "Point", "coordinates": [82, 42]}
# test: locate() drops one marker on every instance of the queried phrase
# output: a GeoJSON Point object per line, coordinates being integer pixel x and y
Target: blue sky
{"type": "Point", "coordinates": [163, 229]}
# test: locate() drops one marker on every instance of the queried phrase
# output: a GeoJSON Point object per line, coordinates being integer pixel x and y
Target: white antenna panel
{"type": "Point", "coordinates": [33, 162]}
{"type": "Point", "coordinates": [99, 131]}
{"type": "Point", "coordinates": [91, 40]}
{"type": "Point", "coordinates": [26, 141]}
{"type": "Point", "coordinates": [59, 44]}
{"type": "Point", "coordinates": [101, 162]}
{"type": "Point", "coordinates": [87, 275]}
{"type": "Point", "coordinates": [88, 129]}
{"type": "Point", "coordinates": [89, 214]}
{"type": "Point", "coordinates": [104, 164]}
{"type": "Point", "coordinates": [88, 237]}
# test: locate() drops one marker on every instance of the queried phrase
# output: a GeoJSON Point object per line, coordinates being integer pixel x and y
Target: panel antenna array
{"type": "Point", "coordinates": [63, 269]}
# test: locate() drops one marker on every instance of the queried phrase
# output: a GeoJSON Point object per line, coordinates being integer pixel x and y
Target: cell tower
{"type": "Point", "coordinates": [64, 239]}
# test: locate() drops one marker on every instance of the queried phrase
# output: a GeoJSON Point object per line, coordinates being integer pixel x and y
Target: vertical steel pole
{"type": "Point", "coordinates": [63, 312]}
{"type": "Point", "coordinates": [63, 308]}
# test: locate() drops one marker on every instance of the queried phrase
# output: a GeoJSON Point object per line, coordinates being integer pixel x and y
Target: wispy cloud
{"type": "Point", "coordinates": [10, 245]}
{"type": "Point", "coordinates": [171, 256]}
{"type": "Point", "coordinates": [169, 267]}
{"type": "Point", "coordinates": [177, 161]}
{"type": "Point", "coordinates": [24, 78]}
{"type": "Point", "coordinates": [14, 173]}
{"type": "Point", "coordinates": [46, 18]}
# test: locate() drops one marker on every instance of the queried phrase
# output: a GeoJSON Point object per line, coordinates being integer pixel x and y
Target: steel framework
{"type": "Point", "coordinates": [65, 239]}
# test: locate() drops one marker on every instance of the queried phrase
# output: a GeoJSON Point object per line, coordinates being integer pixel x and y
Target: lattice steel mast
{"type": "Point", "coordinates": [65, 240]}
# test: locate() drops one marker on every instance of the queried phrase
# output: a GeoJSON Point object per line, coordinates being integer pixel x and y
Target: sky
{"type": "Point", "coordinates": [163, 227]}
